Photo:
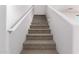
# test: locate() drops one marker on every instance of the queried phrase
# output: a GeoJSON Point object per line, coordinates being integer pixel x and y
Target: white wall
{"type": "Point", "coordinates": [65, 7]}
{"type": "Point", "coordinates": [14, 13]}
{"type": "Point", "coordinates": [61, 29]}
{"type": "Point", "coordinates": [39, 9]}
{"type": "Point", "coordinates": [76, 39]}
{"type": "Point", "coordinates": [3, 29]}
{"type": "Point", "coordinates": [17, 37]}
{"type": "Point", "coordinates": [58, 7]}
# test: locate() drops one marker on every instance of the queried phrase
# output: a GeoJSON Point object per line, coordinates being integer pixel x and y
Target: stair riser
{"type": "Point", "coordinates": [39, 46]}
{"type": "Point", "coordinates": [39, 38]}
{"type": "Point", "coordinates": [39, 31]}
{"type": "Point", "coordinates": [39, 27]}
{"type": "Point", "coordinates": [39, 24]}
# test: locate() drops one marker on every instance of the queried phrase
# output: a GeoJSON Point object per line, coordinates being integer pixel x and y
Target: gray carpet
{"type": "Point", "coordinates": [39, 39]}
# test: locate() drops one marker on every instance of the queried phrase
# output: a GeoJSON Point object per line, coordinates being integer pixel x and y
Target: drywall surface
{"type": "Point", "coordinates": [16, 38]}
{"type": "Point", "coordinates": [14, 13]}
{"type": "Point", "coordinates": [61, 29]}
{"type": "Point", "coordinates": [66, 7]}
{"type": "Point", "coordinates": [39, 9]}
{"type": "Point", "coordinates": [76, 39]}
{"type": "Point", "coordinates": [3, 44]}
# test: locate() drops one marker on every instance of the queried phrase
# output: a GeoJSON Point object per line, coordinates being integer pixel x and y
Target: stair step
{"type": "Point", "coordinates": [39, 27]}
{"type": "Point", "coordinates": [42, 22]}
{"type": "Point", "coordinates": [34, 22]}
{"type": "Point", "coordinates": [39, 31]}
{"type": "Point", "coordinates": [39, 17]}
{"type": "Point", "coordinates": [39, 52]}
{"type": "Point", "coordinates": [39, 24]}
{"type": "Point", "coordinates": [39, 44]}
{"type": "Point", "coordinates": [39, 37]}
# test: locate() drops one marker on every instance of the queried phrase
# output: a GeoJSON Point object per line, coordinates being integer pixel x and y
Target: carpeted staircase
{"type": "Point", "coordinates": [39, 39]}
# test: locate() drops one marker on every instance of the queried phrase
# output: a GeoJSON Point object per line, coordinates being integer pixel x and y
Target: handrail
{"type": "Point", "coordinates": [14, 27]}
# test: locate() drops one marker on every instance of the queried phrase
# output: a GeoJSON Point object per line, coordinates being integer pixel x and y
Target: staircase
{"type": "Point", "coordinates": [39, 39]}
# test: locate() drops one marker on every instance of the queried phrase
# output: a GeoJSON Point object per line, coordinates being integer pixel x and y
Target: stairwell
{"type": "Point", "coordinates": [39, 39]}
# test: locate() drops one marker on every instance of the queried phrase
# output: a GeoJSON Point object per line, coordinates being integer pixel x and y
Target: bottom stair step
{"type": "Point", "coordinates": [39, 47]}
{"type": "Point", "coordinates": [39, 52]}
{"type": "Point", "coordinates": [39, 44]}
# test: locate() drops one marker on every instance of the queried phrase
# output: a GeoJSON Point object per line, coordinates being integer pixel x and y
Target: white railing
{"type": "Point", "coordinates": [15, 26]}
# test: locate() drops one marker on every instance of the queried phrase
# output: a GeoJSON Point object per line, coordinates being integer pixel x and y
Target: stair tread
{"type": "Point", "coordinates": [39, 35]}
{"type": "Point", "coordinates": [39, 29]}
{"type": "Point", "coordinates": [41, 22]}
{"type": "Point", "coordinates": [39, 52]}
{"type": "Point", "coordinates": [39, 42]}
{"type": "Point", "coordinates": [39, 25]}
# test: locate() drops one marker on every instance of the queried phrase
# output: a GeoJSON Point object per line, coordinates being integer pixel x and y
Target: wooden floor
{"type": "Point", "coordinates": [39, 39]}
